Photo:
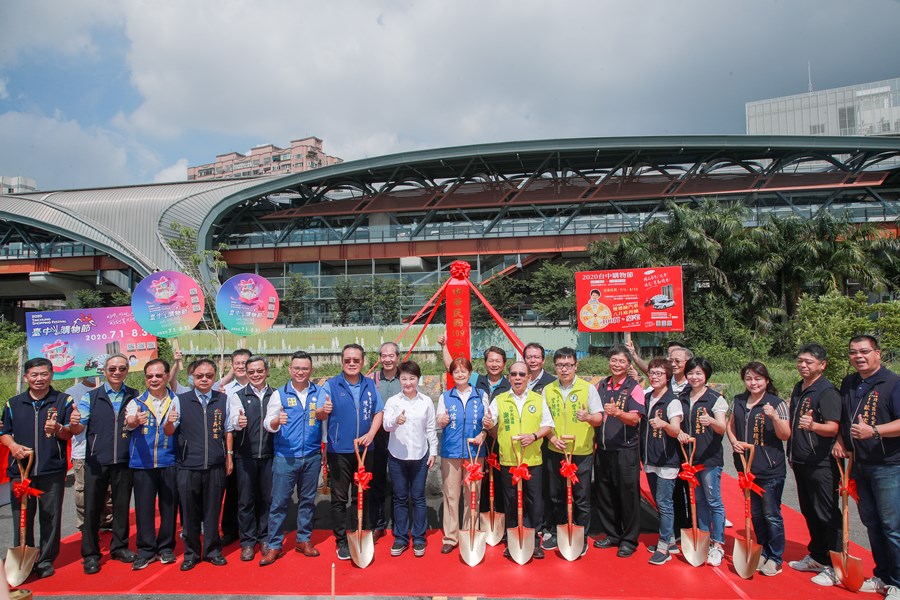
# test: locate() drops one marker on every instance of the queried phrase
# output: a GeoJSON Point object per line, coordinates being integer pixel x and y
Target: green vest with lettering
{"type": "Point", "coordinates": [563, 411]}
{"type": "Point", "coordinates": [510, 423]}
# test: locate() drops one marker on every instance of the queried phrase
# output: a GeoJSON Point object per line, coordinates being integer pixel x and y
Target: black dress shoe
{"type": "Point", "coordinates": [625, 551]}
{"type": "Point", "coordinates": [538, 552]}
{"type": "Point", "coordinates": [91, 566]}
{"type": "Point", "coordinates": [377, 535]}
{"type": "Point", "coordinates": [43, 571]}
{"type": "Point", "coordinates": [247, 553]}
{"type": "Point", "coordinates": [125, 556]}
{"type": "Point", "coordinates": [188, 564]}
{"type": "Point", "coordinates": [606, 542]}
{"type": "Point", "coordinates": [142, 563]}
{"type": "Point", "coordinates": [447, 548]}
{"type": "Point", "coordinates": [218, 560]}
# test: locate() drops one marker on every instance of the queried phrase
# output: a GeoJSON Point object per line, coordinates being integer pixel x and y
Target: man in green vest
{"type": "Point", "coordinates": [520, 418]}
{"type": "Point", "coordinates": [576, 409]}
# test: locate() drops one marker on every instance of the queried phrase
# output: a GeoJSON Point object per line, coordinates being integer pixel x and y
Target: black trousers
{"type": "Point", "coordinates": [681, 504]}
{"type": "Point", "coordinates": [581, 493]}
{"type": "Point", "coordinates": [254, 483]}
{"type": "Point", "coordinates": [550, 462]}
{"type": "Point", "coordinates": [97, 479]}
{"type": "Point", "coordinates": [818, 497]}
{"type": "Point", "coordinates": [341, 468]}
{"type": "Point", "coordinates": [230, 527]}
{"type": "Point", "coordinates": [379, 488]}
{"type": "Point", "coordinates": [532, 499]}
{"type": "Point", "coordinates": [617, 492]}
{"type": "Point", "coordinates": [200, 495]}
{"type": "Point", "coordinates": [150, 486]}
{"type": "Point", "coordinates": [48, 508]}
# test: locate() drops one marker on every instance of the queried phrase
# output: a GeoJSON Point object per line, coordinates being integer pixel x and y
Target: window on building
{"type": "Point", "coordinates": [817, 129]}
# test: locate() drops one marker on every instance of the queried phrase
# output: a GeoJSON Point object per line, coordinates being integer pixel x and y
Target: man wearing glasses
{"type": "Point", "coordinates": [870, 432]}
{"type": "Point", "coordinates": [354, 411]}
{"type": "Point", "coordinates": [106, 463]}
{"type": "Point", "coordinates": [151, 419]}
{"type": "Point", "coordinates": [519, 419]}
{"type": "Point", "coordinates": [576, 409]}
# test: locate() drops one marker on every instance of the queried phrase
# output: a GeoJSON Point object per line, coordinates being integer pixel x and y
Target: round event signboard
{"type": "Point", "coordinates": [247, 304]}
{"type": "Point", "coordinates": [167, 303]}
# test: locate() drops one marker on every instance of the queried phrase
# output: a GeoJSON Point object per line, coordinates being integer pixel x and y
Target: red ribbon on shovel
{"type": "Point", "coordinates": [23, 488]}
{"type": "Point", "coordinates": [519, 473]}
{"type": "Point", "coordinates": [850, 489]}
{"type": "Point", "coordinates": [473, 472]}
{"type": "Point", "coordinates": [689, 473]}
{"type": "Point", "coordinates": [362, 478]}
{"type": "Point", "coordinates": [569, 470]}
{"type": "Point", "coordinates": [745, 482]}
{"type": "Point", "coordinates": [492, 461]}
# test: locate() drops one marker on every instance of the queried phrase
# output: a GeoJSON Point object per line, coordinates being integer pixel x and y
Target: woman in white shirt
{"type": "Point", "coordinates": [412, 447]}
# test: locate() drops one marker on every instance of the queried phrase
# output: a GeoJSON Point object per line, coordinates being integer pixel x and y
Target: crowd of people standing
{"type": "Point", "coordinates": [231, 453]}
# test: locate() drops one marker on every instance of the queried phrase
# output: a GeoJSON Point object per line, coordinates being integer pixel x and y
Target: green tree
{"type": "Point", "coordinates": [552, 287]}
{"type": "Point", "coordinates": [85, 299]}
{"type": "Point", "coordinates": [120, 298]}
{"type": "Point", "coordinates": [12, 337]}
{"type": "Point", "coordinates": [505, 293]}
{"type": "Point", "coordinates": [297, 291]}
{"type": "Point", "coordinates": [384, 300]}
{"type": "Point", "coordinates": [346, 302]}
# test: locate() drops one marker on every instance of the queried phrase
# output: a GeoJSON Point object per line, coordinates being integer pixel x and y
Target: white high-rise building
{"type": "Point", "coordinates": [17, 185]}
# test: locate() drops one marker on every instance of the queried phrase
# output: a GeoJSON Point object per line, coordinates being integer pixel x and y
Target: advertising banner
{"type": "Point", "coordinates": [78, 341]}
{"type": "Point", "coordinates": [247, 304]}
{"type": "Point", "coordinates": [630, 300]}
{"type": "Point", "coordinates": [167, 303]}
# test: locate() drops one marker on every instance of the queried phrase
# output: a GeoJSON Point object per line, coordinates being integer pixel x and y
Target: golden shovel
{"type": "Point", "coordinates": [569, 537]}
{"type": "Point", "coordinates": [848, 569]}
{"type": "Point", "coordinates": [520, 540]}
{"type": "Point", "coordinates": [472, 541]}
{"type": "Point", "coordinates": [362, 546]}
{"type": "Point", "coordinates": [746, 554]}
{"type": "Point", "coordinates": [20, 560]}
{"type": "Point", "coordinates": [694, 543]}
{"type": "Point", "coordinates": [494, 522]}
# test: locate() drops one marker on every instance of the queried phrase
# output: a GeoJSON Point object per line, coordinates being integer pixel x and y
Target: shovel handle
{"type": "Point", "coordinates": [23, 503]}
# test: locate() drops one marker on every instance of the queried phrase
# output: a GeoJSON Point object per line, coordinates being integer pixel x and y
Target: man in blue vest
{"type": "Point", "coordinates": [151, 453]}
{"type": "Point", "coordinates": [354, 411]}
{"type": "Point", "coordinates": [39, 421]}
{"type": "Point", "coordinates": [106, 464]}
{"type": "Point", "coordinates": [250, 456]}
{"type": "Point", "coordinates": [201, 418]}
{"type": "Point", "coordinates": [291, 415]}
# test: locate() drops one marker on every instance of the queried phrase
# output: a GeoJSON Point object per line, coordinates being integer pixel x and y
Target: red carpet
{"type": "Point", "coordinates": [599, 574]}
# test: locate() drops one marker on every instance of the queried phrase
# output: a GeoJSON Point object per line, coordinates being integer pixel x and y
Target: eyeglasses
{"type": "Point", "coordinates": [154, 376]}
{"type": "Point", "coordinates": [517, 373]}
{"type": "Point", "coordinates": [864, 352]}
{"type": "Point", "coordinates": [203, 375]}
{"type": "Point", "coordinates": [115, 369]}
{"type": "Point", "coordinates": [348, 361]}
{"type": "Point", "coordinates": [565, 366]}
{"type": "Point", "coordinates": [656, 373]}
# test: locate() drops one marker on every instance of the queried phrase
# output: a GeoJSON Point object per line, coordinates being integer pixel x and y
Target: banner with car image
{"type": "Point", "coordinates": [630, 300]}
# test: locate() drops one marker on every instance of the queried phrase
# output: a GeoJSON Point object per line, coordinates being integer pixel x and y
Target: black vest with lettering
{"type": "Point", "coordinates": [201, 435]}
{"type": "Point", "coordinates": [28, 419]}
{"type": "Point", "coordinates": [613, 434]}
{"type": "Point", "coordinates": [708, 451]}
{"type": "Point", "coordinates": [806, 447]}
{"type": "Point", "coordinates": [253, 441]}
{"type": "Point", "coordinates": [751, 425]}
{"type": "Point", "coordinates": [106, 434]}
{"type": "Point", "coordinates": [659, 448]}
{"type": "Point", "coordinates": [873, 403]}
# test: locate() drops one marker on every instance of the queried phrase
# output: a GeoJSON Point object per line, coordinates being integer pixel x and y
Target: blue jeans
{"type": "Point", "coordinates": [408, 482]}
{"type": "Point", "coordinates": [767, 522]}
{"type": "Point", "coordinates": [879, 510]}
{"type": "Point", "coordinates": [709, 503]}
{"type": "Point", "coordinates": [663, 491]}
{"type": "Point", "coordinates": [289, 472]}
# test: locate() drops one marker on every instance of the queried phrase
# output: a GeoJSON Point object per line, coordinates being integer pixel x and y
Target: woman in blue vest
{"type": "Point", "coordinates": [760, 418]}
{"type": "Point", "coordinates": [460, 413]}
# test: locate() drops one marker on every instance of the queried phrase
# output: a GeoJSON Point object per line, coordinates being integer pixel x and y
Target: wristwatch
{"type": "Point", "coordinates": [229, 452]}
{"type": "Point", "coordinates": [875, 433]}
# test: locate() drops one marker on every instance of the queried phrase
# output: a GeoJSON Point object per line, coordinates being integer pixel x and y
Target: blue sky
{"type": "Point", "coordinates": [103, 92]}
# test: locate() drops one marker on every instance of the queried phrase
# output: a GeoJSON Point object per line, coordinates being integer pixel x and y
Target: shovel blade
{"type": "Point", "coordinates": [520, 543]}
{"type": "Point", "coordinates": [494, 527]}
{"type": "Point", "coordinates": [19, 562]}
{"type": "Point", "coordinates": [570, 546]}
{"type": "Point", "coordinates": [362, 548]}
{"type": "Point", "coordinates": [472, 546]}
{"type": "Point", "coordinates": [848, 569]}
{"type": "Point", "coordinates": [745, 559]}
{"type": "Point", "coordinates": [695, 546]}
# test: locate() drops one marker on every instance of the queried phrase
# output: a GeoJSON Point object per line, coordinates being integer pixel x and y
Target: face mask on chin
{"type": "Point", "coordinates": [190, 381]}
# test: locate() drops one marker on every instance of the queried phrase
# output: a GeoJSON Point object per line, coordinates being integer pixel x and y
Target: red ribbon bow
{"type": "Point", "coordinates": [362, 478]}
{"type": "Point", "coordinates": [569, 470]}
{"type": "Point", "coordinates": [689, 473]}
{"type": "Point", "coordinates": [745, 482]}
{"type": "Point", "coordinates": [492, 461]}
{"type": "Point", "coordinates": [23, 488]}
{"type": "Point", "coordinates": [460, 269]}
{"type": "Point", "coordinates": [473, 472]}
{"type": "Point", "coordinates": [850, 489]}
{"type": "Point", "coordinates": [519, 473]}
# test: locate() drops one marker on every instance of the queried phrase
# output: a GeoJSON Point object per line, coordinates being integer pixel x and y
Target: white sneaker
{"type": "Point", "coordinates": [770, 569]}
{"type": "Point", "coordinates": [728, 523]}
{"type": "Point", "coordinates": [715, 556]}
{"type": "Point", "coordinates": [806, 564]}
{"type": "Point", "coordinates": [873, 585]}
{"type": "Point", "coordinates": [826, 578]}
{"type": "Point", "coordinates": [892, 591]}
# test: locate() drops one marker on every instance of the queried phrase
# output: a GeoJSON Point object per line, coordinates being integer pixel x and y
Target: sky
{"type": "Point", "coordinates": [100, 93]}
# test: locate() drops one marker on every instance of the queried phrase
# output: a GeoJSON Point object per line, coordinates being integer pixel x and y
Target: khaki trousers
{"type": "Point", "coordinates": [452, 473]}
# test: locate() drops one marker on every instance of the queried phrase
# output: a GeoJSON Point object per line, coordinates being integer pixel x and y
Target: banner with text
{"type": "Point", "coordinates": [78, 341]}
{"type": "Point", "coordinates": [630, 300]}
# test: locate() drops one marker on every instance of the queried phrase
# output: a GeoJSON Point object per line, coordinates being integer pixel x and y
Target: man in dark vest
{"type": "Point", "coordinates": [106, 464]}
{"type": "Point", "coordinates": [38, 422]}
{"type": "Point", "coordinates": [200, 422]}
{"type": "Point", "coordinates": [250, 456]}
{"type": "Point", "coordinates": [388, 382]}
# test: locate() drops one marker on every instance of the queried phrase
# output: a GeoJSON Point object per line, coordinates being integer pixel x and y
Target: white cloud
{"type": "Point", "coordinates": [176, 172]}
